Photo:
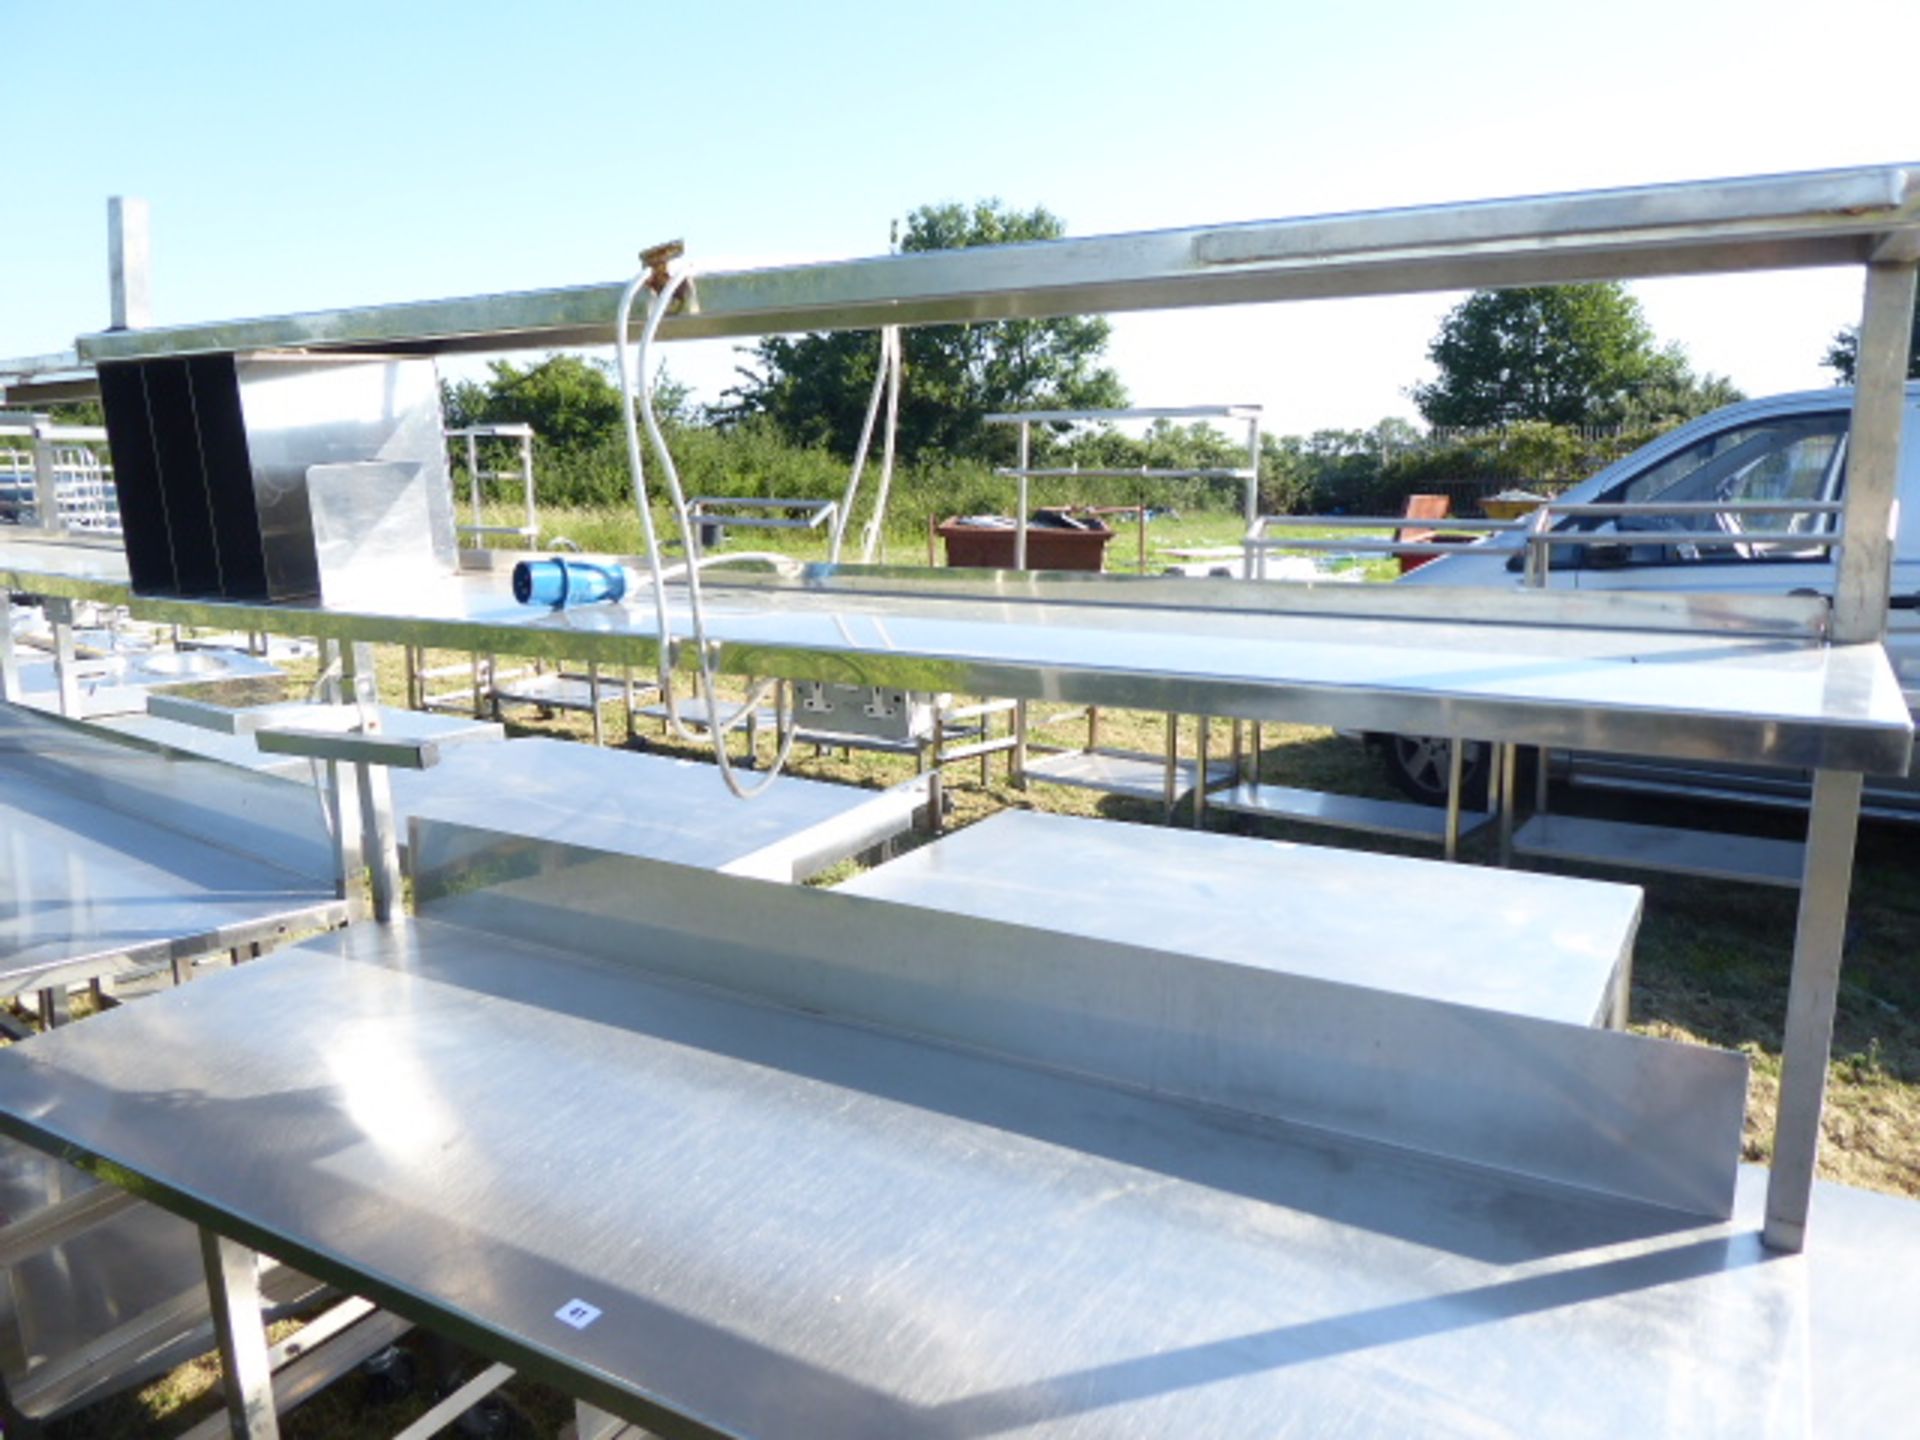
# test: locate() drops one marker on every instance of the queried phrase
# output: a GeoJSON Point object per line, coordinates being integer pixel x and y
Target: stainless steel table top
{"type": "Point", "coordinates": [113, 859]}
{"type": "Point", "coordinates": [653, 806]}
{"type": "Point", "coordinates": [1529, 944]}
{"type": "Point", "coordinates": [782, 1226]}
{"type": "Point", "coordinates": [81, 887]}
{"type": "Point", "coordinates": [1712, 693]}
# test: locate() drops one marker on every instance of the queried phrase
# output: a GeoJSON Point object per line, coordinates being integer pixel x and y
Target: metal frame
{"type": "Point", "coordinates": [473, 435]}
{"type": "Point", "coordinates": [1248, 475]}
{"type": "Point", "coordinates": [72, 488]}
{"type": "Point", "coordinates": [814, 514]}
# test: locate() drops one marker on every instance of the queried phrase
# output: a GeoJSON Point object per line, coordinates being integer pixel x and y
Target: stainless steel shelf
{"type": "Point", "coordinates": [1763, 222]}
{"type": "Point", "coordinates": [1121, 772]}
{"type": "Point", "coordinates": [1702, 677]}
{"type": "Point", "coordinates": [1399, 818]}
{"type": "Point", "coordinates": [1522, 944]}
{"type": "Point", "coordinates": [1714, 855]}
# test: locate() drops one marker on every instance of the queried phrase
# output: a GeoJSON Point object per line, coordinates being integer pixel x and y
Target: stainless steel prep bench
{"type": "Point", "coordinates": [783, 1211]}
{"type": "Point", "coordinates": [897, 1172]}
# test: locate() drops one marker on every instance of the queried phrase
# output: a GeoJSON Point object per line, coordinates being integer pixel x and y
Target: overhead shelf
{"type": "Point", "coordinates": [1832, 217]}
{"type": "Point", "coordinates": [1757, 684]}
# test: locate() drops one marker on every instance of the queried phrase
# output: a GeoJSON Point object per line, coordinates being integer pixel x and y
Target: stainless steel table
{"type": "Point", "coordinates": [113, 860]}
{"type": "Point", "coordinates": [1540, 945]}
{"type": "Point", "coordinates": [719, 1216]}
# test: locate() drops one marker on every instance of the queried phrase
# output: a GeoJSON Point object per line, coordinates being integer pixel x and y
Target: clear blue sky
{"type": "Point", "coordinates": [298, 156]}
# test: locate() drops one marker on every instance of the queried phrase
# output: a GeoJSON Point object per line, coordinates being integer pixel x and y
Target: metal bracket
{"type": "Point", "coordinates": [657, 259]}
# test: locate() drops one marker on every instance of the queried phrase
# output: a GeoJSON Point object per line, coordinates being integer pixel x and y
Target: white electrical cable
{"type": "Point", "coordinates": [328, 820]}
{"type": "Point", "coordinates": [890, 359]}
{"type": "Point", "coordinates": [883, 370]}
{"type": "Point", "coordinates": [716, 730]}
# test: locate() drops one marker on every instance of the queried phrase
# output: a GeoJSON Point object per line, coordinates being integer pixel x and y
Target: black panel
{"type": "Point", "coordinates": [229, 477]}
{"type": "Point", "coordinates": [176, 443]}
{"type": "Point", "coordinates": [136, 479]}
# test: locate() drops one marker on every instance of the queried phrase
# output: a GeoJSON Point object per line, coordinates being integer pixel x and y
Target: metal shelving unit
{"type": "Point", "coordinates": [1247, 475]}
{"type": "Point", "coordinates": [528, 531]}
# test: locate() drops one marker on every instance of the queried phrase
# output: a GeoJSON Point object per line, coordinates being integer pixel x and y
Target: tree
{"type": "Point", "coordinates": [1568, 354]}
{"type": "Point", "coordinates": [815, 387]}
{"type": "Point", "coordinates": [572, 403]}
{"type": "Point", "coordinates": [1844, 352]}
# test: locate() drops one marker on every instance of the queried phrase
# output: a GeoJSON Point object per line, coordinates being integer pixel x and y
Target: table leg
{"type": "Point", "coordinates": [233, 1286]}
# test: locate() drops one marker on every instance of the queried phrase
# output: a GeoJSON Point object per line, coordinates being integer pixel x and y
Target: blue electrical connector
{"type": "Point", "coordinates": [560, 582]}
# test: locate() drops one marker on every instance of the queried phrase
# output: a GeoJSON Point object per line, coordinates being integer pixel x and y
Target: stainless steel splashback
{"type": "Point", "coordinates": [214, 456]}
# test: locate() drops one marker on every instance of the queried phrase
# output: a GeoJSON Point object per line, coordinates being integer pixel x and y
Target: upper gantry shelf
{"type": "Point", "coordinates": [1830, 217]}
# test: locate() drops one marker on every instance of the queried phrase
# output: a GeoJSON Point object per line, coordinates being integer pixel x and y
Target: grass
{"type": "Point", "coordinates": [1711, 964]}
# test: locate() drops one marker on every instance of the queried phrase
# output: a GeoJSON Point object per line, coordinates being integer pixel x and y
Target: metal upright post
{"type": "Point", "coordinates": [46, 485]}
{"type": "Point", "coordinates": [1873, 449]}
{"type": "Point", "coordinates": [10, 688]}
{"type": "Point", "coordinates": [1201, 734]}
{"type": "Point", "coordinates": [1017, 757]}
{"type": "Point", "coordinates": [1818, 938]}
{"type": "Point", "coordinates": [60, 616]}
{"type": "Point", "coordinates": [129, 263]}
{"type": "Point", "coordinates": [1252, 505]}
{"type": "Point", "coordinates": [233, 1287]}
{"type": "Point", "coordinates": [1172, 796]}
{"type": "Point", "coordinates": [1020, 506]}
{"type": "Point", "coordinates": [1504, 768]}
{"type": "Point", "coordinates": [1859, 617]}
{"type": "Point", "coordinates": [1456, 755]}
{"type": "Point", "coordinates": [473, 482]}
{"type": "Point", "coordinates": [526, 486]}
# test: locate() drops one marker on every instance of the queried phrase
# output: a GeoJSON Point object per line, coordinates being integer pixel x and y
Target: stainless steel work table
{"type": "Point", "coordinates": [787, 1226]}
{"type": "Point", "coordinates": [1529, 944]}
{"type": "Point", "coordinates": [113, 861]}
{"type": "Point", "coordinates": [534, 791]}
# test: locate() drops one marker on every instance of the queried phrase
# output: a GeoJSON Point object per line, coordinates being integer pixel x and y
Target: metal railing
{"type": "Point", "coordinates": [81, 483]}
{"type": "Point", "coordinates": [1533, 537]}
{"type": "Point", "coordinates": [477, 478]}
{"type": "Point", "coordinates": [1025, 472]}
{"type": "Point", "coordinates": [802, 514]}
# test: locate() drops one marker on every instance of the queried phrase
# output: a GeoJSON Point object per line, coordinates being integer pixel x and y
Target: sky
{"type": "Point", "coordinates": [297, 156]}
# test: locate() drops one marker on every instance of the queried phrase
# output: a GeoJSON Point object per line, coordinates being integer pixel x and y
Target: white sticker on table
{"type": "Point", "coordinates": [577, 1313]}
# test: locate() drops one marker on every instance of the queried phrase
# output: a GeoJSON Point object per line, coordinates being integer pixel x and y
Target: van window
{"type": "Point", "coordinates": [1797, 457]}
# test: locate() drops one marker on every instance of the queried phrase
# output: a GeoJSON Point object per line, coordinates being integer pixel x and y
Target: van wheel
{"type": "Point", "coordinates": [1417, 766]}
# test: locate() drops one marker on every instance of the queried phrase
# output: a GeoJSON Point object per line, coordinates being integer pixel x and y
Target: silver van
{"type": "Point", "coordinates": [1783, 448]}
